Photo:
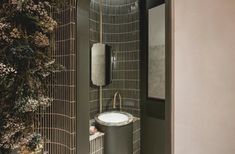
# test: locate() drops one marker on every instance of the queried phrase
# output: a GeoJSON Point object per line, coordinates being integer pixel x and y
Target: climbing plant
{"type": "Point", "coordinates": [26, 28]}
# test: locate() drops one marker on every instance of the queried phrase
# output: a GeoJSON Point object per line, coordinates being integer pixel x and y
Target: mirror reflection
{"type": "Point", "coordinates": [156, 53]}
{"type": "Point", "coordinates": [101, 64]}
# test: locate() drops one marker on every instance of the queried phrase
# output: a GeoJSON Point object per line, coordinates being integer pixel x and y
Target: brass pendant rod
{"type": "Point", "coordinates": [101, 21]}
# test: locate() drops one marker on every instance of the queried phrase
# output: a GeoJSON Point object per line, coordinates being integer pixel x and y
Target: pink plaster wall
{"type": "Point", "coordinates": [204, 76]}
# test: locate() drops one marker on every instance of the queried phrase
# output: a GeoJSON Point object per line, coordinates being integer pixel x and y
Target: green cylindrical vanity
{"type": "Point", "coordinates": [118, 129]}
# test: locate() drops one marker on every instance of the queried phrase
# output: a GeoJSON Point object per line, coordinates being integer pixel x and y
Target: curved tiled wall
{"type": "Point", "coordinates": [58, 122]}
{"type": "Point", "coordinates": [121, 31]}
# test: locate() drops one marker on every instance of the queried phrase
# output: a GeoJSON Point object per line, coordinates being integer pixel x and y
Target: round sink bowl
{"type": "Point", "coordinates": [114, 118]}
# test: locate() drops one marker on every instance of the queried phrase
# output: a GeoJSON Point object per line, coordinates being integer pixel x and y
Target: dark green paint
{"type": "Point", "coordinates": [83, 76]}
{"type": "Point", "coordinates": [155, 114]}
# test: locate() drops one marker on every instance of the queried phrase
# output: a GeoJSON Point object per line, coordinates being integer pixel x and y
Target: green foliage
{"type": "Point", "coordinates": [25, 64]}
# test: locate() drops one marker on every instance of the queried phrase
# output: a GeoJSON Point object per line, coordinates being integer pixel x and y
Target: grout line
{"type": "Point", "coordinates": [63, 101]}
{"type": "Point", "coordinates": [67, 24]}
{"type": "Point", "coordinates": [49, 142]}
{"type": "Point", "coordinates": [119, 5]}
{"type": "Point", "coordinates": [135, 41]}
{"type": "Point", "coordinates": [116, 33]}
{"type": "Point", "coordinates": [137, 130]}
{"type": "Point", "coordinates": [53, 128]}
{"type": "Point", "coordinates": [125, 61]}
{"type": "Point", "coordinates": [61, 85]}
{"type": "Point", "coordinates": [69, 39]}
{"type": "Point", "coordinates": [117, 14]}
{"type": "Point", "coordinates": [97, 150]}
{"type": "Point", "coordinates": [65, 55]}
{"type": "Point", "coordinates": [64, 10]}
{"type": "Point", "coordinates": [58, 114]}
{"type": "Point", "coordinates": [107, 23]}
{"type": "Point", "coordinates": [135, 70]}
{"type": "Point", "coordinates": [138, 150]}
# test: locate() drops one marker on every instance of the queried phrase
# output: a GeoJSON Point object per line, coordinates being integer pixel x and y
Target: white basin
{"type": "Point", "coordinates": [114, 118]}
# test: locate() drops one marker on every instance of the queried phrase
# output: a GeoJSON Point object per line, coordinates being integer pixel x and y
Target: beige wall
{"type": "Point", "coordinates": [204, 76]}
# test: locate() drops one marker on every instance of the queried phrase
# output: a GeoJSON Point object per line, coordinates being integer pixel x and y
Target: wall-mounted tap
{"type": "Point", "coordinates": [115, 98]}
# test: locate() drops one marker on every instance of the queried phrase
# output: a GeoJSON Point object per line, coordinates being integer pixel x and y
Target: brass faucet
{"type": "Point", "coordinates": [120, 100]}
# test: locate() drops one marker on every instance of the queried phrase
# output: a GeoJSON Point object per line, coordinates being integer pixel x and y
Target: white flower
{"type": "Point", "coordinates": [32, 139]}
{"type": "Point", "coordinates": [30, 104]}
{"type": "Point", "coordinates": [45, 101]}
{"type": "Point", "coordinates": [50, 62]}
{"type": "Point", "coordinates": [5, 70]}
{"type": "Point", "coordinates": [12, 126]}
{"type": "Point", "coordinates": [27, 104]}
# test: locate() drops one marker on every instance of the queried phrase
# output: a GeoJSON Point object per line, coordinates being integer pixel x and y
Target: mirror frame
{"type": "Point", "coordinates": [108, 77]}
{"type": "Point", "coordinates": [154, 108]}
